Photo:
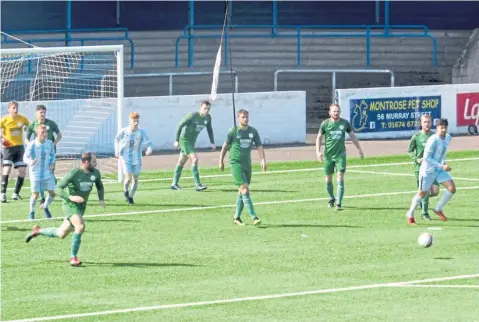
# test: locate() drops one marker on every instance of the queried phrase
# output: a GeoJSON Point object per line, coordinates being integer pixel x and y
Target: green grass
{"type": "Point", "coordinates": [167, 257]}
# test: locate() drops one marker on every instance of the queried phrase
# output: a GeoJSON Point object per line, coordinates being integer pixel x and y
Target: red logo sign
{"type": "Point", "coordinates": [467, 109]}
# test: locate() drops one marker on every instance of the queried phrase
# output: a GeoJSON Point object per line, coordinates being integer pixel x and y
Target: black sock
{"type": "Point", "coordinates": [18, 185]}
{"type": "Point", "coordinates": [4, 183]}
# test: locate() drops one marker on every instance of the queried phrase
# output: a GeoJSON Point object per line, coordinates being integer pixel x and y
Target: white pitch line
{"type": "Point", "coordinates": [436, 286]}
{"type": "Point", "coordinates": [240, 299]}
{"type": "Point", "coordinates": [303, 170]}
{"type": "Point", "coordinates": [405, 174]}
{"type": "Point", "coordinates": [276, 202]}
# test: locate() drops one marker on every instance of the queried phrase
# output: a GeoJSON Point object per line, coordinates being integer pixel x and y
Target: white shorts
{"type": "Point", "coordinates": [42, 185]}
{"type": "Point", "coordinates": [427, 180]}
{"type": "Point", "coordinates": [134, 169]}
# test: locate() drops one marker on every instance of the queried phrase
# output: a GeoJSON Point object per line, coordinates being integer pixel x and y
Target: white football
{"type": "Point", "coordinates": [425, 240]}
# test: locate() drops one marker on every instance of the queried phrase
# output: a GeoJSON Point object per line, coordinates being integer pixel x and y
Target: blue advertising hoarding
{"type": "Point", "coordinates": [392, 114]}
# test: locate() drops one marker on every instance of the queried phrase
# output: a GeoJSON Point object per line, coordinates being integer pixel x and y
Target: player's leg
{"type": "Point", "coordinates": [445, 179]}
{"type": "Point", "coordinates": [79, 227]}
{"type": "Point", "coordinates": [194, 170]}
{"type": "Point", "coordinates": [178, 169]}
{"type": "Point", "coordinates": [7, 165]}
{"type": "Point", "coordinates": [425, 183]}
{"type": "Point", "coordinates": [136, 174]}
{"type": "Point", "coordinates": [49, 187]}
{"type": "Point", "coordinates": [21, 169]}
{"type": "Point", "coordinates": [127, 172]}
{"type": "Point", "coordinates": [53, 232]}
{"type": "Point", "coordinates": [341, 169]}
{"type": "Point", "coordinates": [244, 190]}
{"type": "Point", "coordinates": [328, 172]}
{"type": "Point", "coordinates": [424, 201]}
{"type": "Point", "coordinates": [35, 187]}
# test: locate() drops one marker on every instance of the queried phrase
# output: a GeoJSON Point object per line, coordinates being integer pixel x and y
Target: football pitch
{"type": "Point", "coordinates": [177, 256]}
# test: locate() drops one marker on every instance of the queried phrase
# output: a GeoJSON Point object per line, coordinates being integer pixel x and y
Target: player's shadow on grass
{"type": "Point", "coordinates": [464, 219]}
{"type": "Point", "coordinates": [256, 190]}
{"type": "Point", "coordinates": [374, 208]}
{"type": "Point", "coordinates": [112, 220]}
{"type": "Point", "coordinates": [122, 264]}
{"type": "Point", "coordinates": [306, 226]}
{"type": "Point", "coordinates": [13, 228]}
{"type": "Point", "coordinates": [142, 205]}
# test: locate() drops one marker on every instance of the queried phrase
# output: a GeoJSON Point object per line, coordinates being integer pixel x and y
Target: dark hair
{"type": "Point", "coordinates": [442, 122]}
{"type": "Point", "coordinates": [205, 103]}
{"type": "Point", "coordinates": [242, 111]}
{"type": "Point", "coordinates": [41, 108]}
{"type": "Point", "coordinates": [86, 156]}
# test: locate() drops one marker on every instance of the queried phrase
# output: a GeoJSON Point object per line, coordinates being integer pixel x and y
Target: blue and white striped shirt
{"type": "Point", "coordinates": [434, 154]}
{"type": "Point", "coordinates": [44, 153]}
{"type": "Point", "coordinates": [129, 144]}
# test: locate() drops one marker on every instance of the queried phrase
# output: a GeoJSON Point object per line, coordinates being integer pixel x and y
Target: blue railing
{"type": "Point", "coordinates": [385, 31]}
{"type": "Point", "coordinates": [68, 39]}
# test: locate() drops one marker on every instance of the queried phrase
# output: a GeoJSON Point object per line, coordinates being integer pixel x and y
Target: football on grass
{"type": "Point", "coordinates": [425, 240]}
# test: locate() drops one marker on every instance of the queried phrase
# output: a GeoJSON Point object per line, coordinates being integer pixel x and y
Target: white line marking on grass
{"type": "Point", "coordinates": [436, 286]}
{"type": "Point", "coordinates": [276, 202]}
{"type": "Point", "coordinates": [405, 174]}
{"type": "Point", "coordinates": [241, 299]}
{"type": "Point", "coordinates": [298, 170]}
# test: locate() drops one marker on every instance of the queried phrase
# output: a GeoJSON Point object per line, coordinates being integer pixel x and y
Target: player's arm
{"type": "Point", "coordinates": [63, 183]}
{"type": "Point", "coordinates": [100, 190]}
{"type": "Point", "coordinates": [147, 141]}
{"type": "Point", "coordinates": [184, 122]}
{"type": "Point", "coordinates": [28, 155]}
{"type": "Point", "coordinates": [29, 133]}
{"type": "Point", "coordinates": [356, 143]}
{"type": "Point", "coordinates": [117, 143]}
{"type": "Point", "coordinates": [5, 143]}
{"type": "Point", "coordinates": [411, 151]}
{"type": "Point", "coordinates": [224, 148]}
{"type": "Point", "coordinates": [52, 158]}
{"type": "Point", "coordinates": [319, 140]}
{"type": "Point", "coordinates": [262, 155]}
{"type": "Point", "coordinates": [209, 129]}
{"type": "Point", "coordinates": [58, 134]}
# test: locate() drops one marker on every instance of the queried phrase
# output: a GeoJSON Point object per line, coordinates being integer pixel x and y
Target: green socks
{"type": "Point", "coordinates": [340, 192]}
{"type": "Point", "coordinates": [425, 204]}
{"type": "Point", "coordinates": [249, 204]}
{"type": "Point", "coordinates": [76, 241]}
{"type": "Point", "coordinates": [49, 232]}
{"type": "Point", "coordinates": [329, 189]}
{"type": "Point", "coordinates": [177, 176]}
{"type": "Point", "coordinates": [196, 175]}
{"type": "Point", "coordinates": [239, 206]}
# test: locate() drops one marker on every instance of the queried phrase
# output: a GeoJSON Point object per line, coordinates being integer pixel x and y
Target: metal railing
{"type": "Point", "coordinates": [369, 31]}
{"type": "Point", "coordinates": [67, 38]}
{"type": "Point", "coordinates": [333, 72]}
{"type": "Point", "coordinates": [170, 77]}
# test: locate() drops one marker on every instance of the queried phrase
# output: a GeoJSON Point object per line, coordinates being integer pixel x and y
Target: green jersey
{"type": "Point", "coordinates": [416, 147]}
{"type": "Point", "coordinates": [240, 141]}
{"type": "Point", "coordinates": [192, 125]}
{"type": "Point", "coordinates": [52, 128]}
{"type": "Point", "coordinates": [80, 183]}
{"type": "Point", "coordinates": [335, 136]}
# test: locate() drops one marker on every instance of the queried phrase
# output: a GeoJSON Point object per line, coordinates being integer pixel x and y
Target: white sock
{"type": "Point", "coordinates": [48, 201]}
{"type": "Point", "coordinates": [126, 185]}
{"type": "Point", "coordinates": [33, 202]}
{"type": "Point", "coordinates": [446, 196]}
{"type": "Point", "coordinates": [133, 189]}
{"type": "Point", "coordinates": [416, 200]}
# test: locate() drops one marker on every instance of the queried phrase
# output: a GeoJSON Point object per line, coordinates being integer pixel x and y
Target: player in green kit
{"type": "Point", "coordinates": [334, 130]}
{"type": "Point", "coordinates": [53, 132]}
{"type": "Point", "coordinates": [79, 183]}
{"type": "Point", "coordinates": [416, 152]}
{"type": "Point", "coordinates": [239, 142]}
{"type": "Point", "coordinates": [186, 135]}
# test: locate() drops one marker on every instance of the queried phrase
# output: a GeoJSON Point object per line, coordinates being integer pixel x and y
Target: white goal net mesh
{"type": "Point", "coordinates": [80, 92]}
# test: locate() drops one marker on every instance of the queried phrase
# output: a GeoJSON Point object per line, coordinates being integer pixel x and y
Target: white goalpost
{"type": "Point", "coordinates": [82, 89]}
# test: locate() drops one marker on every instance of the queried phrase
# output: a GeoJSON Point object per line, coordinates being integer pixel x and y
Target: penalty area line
{"type": "Point", "coordinates": [243, 299]}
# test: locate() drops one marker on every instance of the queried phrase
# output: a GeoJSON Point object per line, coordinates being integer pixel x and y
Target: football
{"type": "Point", "coordinates": [425, 240]}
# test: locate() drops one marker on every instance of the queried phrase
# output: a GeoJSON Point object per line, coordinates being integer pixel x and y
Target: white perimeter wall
{"type": "Point", "coordinates": [452, 105]}
{"type": "Point", "coordinates": [280, 117]}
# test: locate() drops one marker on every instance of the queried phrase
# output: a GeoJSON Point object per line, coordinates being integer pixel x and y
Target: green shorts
{"type": "Point", "coordinates": [241, 174]}
{"type": "Point", "coordinates": [338, 164]}
{"type": "Point", "coordinates": [70, 209]}
{"type": "Point", "coordinates": [187, 148]}
{"type": "Point", "coordinates": [435, 183]}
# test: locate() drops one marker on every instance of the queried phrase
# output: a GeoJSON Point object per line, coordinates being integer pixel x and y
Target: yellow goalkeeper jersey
{"type": "Point", "coordinates": [12, 129]}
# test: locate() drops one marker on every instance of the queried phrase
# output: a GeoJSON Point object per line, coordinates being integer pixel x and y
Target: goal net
{"type": "Point", "coordinates": [82, 89]}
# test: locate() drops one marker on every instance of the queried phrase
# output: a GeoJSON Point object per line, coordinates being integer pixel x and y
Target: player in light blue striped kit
{"type": "Point", "coordinates": [434, 168]}
{"type": "Point", "coordinates": [40, 156]}
{"type": "Point", "coordinates": [128, 147]}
